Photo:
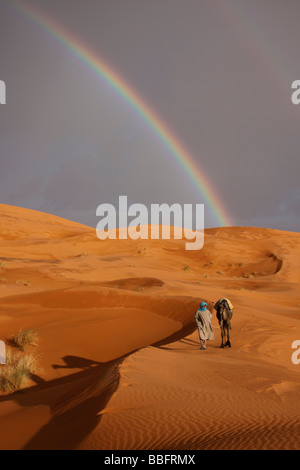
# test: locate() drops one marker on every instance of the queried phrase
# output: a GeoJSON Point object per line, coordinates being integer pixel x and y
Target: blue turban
{"type": "Point", "coordinates": [203, 306]}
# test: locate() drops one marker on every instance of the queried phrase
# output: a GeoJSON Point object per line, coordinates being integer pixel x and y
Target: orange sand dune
{"type": "Point", "coordinates": [120, 364]}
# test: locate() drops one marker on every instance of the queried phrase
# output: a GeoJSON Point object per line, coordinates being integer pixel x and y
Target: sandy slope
{"type": "Point", "coordinates": [120, 361]}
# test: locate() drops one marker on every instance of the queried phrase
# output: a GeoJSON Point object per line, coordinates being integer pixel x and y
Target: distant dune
{"type": "Point", "coordinates": [120, 362]}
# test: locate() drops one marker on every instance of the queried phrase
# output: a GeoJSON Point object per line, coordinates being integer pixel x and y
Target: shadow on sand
{"type": "Point", "coordinates": [177, 336]}
{"type": "Point", "coordinates": [75, 401]}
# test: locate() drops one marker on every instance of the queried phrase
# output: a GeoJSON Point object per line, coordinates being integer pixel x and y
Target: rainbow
{"type": "Point", "coordinates": [108, 75]}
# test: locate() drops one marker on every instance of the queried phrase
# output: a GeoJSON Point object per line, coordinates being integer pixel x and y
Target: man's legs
{"type": "Point", "coordinates": [203, 343]}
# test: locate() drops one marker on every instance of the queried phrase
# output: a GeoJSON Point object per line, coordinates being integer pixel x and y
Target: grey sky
{"type": "Point", "coordinates": [218, 72]}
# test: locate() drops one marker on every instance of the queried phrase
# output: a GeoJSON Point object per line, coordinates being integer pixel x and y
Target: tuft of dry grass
{"type": "Point", "coordinates": [23, 283]}
{"type": "Point", "coordinates": [25, 338]}
{"type": "Point", "coordinates": [17, 371]}
{"type": "Point", "coordinates": [211, 263]}
{"type": "Point", "coordinates": [139, 289]}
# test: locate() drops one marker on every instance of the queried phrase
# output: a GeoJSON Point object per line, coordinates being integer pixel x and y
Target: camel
{"type": "Point", "coordinates": [224, 310]}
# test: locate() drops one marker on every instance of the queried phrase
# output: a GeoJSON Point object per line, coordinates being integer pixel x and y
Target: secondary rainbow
{"type": "Point", "coordinates": [136, 102]}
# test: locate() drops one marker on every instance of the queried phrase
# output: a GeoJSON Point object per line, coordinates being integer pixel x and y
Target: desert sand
{"type": "Point", "coordinates": [120, 365]}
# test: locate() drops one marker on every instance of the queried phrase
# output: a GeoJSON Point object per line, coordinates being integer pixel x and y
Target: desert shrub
{"type": "Point", "coordinates": [15, 374]}
{"type": "Point", "coordinates": [23, 283]}
{"type": "Point", "coordinates": [25, 338]}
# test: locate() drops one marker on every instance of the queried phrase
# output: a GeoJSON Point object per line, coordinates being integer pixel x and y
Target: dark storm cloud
{"type": "Point", "coordinates": [218, 72]}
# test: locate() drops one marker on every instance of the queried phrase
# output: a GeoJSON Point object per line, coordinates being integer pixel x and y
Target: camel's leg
{"type": "Point", "coordinates": [228, 343]}
{"type": "Point", "coordinates": [222, 334]}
